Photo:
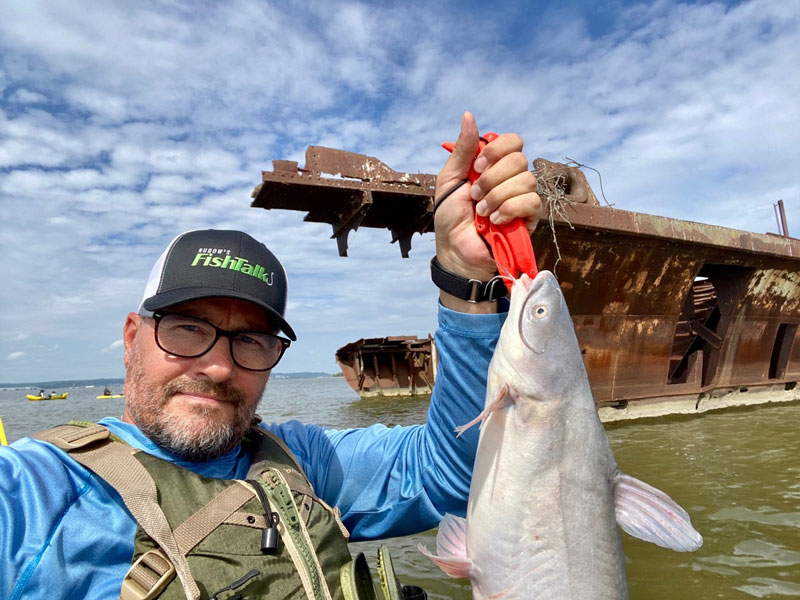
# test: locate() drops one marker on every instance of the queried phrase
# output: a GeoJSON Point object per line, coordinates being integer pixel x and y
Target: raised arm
{"type": "Point", "coordinates": [401, 480]}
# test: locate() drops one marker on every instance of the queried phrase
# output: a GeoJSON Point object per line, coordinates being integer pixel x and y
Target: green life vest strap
{"type": "Point", "coordinates": [262, 453]}
{"type": "Point", "coordinates": [389, 584]}
{"type": "Point", "coordinates": [115, 463]}
{"type": "Point", "coordinates": [357, 582]}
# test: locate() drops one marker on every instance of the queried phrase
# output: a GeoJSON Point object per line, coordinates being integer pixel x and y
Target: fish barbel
{"type": "Point", "coordinates": [546, 494]}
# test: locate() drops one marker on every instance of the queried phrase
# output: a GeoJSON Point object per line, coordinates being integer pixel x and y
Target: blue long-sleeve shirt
{"type": "Point", "coordinates": [65, 533]}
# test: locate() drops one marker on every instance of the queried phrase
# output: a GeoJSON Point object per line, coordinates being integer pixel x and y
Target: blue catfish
{"type": "Point", "coordinates": [546, 493]}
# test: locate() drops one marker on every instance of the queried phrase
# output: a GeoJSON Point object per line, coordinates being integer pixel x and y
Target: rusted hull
{"type": "Point", "coordinates": [628, 296]}
{"type": "Point", "coordinates": [662, 308]}
{"type": "Point", "coordinates": [390, 366]}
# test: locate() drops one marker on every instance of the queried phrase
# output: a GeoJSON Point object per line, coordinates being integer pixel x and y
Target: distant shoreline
{"type": "Point", "coordinates": [118, 381]}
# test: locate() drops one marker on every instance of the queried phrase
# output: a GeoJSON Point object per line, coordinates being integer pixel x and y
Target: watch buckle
{"type": "Point", "coordinates": [475, 286]}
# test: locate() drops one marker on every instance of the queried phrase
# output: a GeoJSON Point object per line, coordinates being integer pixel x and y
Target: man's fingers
{"type": "Point", "coordinates": [527, 206]}
{"type": "Point", "coordinates": [505, 144]}
{"type": "Point", "coordinates": [507, 167]}
{"type": "Point", "coordinates": [514, 196]}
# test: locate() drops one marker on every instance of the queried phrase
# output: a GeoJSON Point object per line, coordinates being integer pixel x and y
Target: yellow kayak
{"type": "Point", "coordinates": [103, 397]}
{"type": "Point", "coordinates": [3, 440]}
{"type": "Point", "coordinates": [50, 397]}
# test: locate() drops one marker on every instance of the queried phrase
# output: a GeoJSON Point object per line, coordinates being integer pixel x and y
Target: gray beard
{"type": "Point", "coordinates": [170, 432]}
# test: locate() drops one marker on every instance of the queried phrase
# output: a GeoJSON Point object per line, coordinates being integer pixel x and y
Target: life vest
{"type": "Point", "coordinates": [268, 536]}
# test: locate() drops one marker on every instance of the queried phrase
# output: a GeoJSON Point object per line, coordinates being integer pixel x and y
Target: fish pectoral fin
{"type": "Point", "coordinates": [651, 515]}
{"type": "Point", "coordinates": [500, 400]}
{"type": "Point", "coordinates": [451, 546]}
{"type": "Point", "coordinates": [453, 566]}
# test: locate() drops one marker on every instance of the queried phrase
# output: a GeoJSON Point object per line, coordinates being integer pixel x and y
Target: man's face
{"type": "Point", "coordinates": [197, 408]}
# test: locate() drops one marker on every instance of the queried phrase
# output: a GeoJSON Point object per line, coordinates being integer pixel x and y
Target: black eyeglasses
{"type": "Point", "coordinates": [191, 337]}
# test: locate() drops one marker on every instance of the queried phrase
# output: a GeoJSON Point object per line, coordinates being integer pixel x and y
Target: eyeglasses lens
{"type": "Point", "coordinates": [189, 337]}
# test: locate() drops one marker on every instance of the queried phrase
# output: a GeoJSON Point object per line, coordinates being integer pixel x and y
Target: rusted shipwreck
{"type": "Point", "coordinates": [671, 316]}
{"type": "Point", "coordinates": [389, 366]}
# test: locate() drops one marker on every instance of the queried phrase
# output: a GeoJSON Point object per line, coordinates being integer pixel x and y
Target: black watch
{"type": "Point", "coordinates": [471, 290]}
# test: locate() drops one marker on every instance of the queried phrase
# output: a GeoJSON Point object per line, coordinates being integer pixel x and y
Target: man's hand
{"type": "Point", "coordinates": [505, 190]}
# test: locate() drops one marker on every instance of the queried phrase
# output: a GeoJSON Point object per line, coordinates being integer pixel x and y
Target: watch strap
{"type": "Point", "coordinates": [471, 290]}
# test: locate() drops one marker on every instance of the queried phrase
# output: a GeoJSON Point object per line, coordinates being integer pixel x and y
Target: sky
{"type": "Point", "coordinates": [123, 124]}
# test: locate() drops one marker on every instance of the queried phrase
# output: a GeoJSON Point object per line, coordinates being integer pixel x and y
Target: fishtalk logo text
{"type": "Point", "coordinates": [235, 263]}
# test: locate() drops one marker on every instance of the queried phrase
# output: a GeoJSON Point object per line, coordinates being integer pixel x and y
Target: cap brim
{"type": "Point", "coordinates": [167, 299]}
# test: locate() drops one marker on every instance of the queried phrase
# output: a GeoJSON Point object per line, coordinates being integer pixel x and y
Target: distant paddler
{"type": "Point", "coordinates": [107, 393]}
{"type": "Point", "coordinates": [52, 396]}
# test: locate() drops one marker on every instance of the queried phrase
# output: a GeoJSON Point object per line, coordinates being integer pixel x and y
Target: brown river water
{"type": "Point", "coordinates": [736, 472]}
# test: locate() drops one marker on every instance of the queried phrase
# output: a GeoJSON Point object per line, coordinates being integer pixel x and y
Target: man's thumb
{"type": "Point", "coordinates": [458, 166]}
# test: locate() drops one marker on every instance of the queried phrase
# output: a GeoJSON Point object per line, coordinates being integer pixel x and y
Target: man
{"type": "Point", "coordinates": [198, 355]}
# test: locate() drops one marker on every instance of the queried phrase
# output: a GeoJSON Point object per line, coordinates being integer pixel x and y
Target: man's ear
{"type": "Point", "coordinates": [129, 331]}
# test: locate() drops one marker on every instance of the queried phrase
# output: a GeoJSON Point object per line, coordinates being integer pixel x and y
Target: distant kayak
{"type": "Point", "coordinates": [50, 397]}
{"type": "Point", "coordinates": [104, 396]}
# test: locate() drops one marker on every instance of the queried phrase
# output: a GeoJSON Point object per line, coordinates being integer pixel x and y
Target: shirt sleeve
{"type": "Point", "coordinates": [55, 520]}
{"type": "Point", "coordinates": [391, 481]}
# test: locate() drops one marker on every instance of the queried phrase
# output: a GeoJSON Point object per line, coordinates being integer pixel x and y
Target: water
{"type": "Point", "coordinates": [736, 472]}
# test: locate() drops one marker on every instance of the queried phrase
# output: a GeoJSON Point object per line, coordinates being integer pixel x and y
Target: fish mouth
{"type": "Point", "coordinates": [542, 279]}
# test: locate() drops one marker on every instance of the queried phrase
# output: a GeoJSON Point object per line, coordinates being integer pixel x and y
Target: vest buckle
{"type": "Point", "coordinates": [148, 576]}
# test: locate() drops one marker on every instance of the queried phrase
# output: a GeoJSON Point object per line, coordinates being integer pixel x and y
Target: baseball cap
{"type": "Point", "coordinates": [213, 263]}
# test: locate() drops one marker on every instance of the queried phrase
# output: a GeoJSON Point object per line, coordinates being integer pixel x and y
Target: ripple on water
{"type": "Point", "coordinates": [764, 514]}
{"type": "Point", "coordinates": [756, 553]}
{"type": "Point", "coordinates": [763, 587]}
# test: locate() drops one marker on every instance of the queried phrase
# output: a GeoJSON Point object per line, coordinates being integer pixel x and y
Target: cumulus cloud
{"type": "Point", "coordinates": [148, 119]}
{"type": "Point", "coordinates": [15, 355]}
{"type": "Point", "coordinates": [23, 96]}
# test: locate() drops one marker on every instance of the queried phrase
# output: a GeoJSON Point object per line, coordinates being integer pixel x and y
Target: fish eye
{"type": "Point", "coordinates": [540, 311]}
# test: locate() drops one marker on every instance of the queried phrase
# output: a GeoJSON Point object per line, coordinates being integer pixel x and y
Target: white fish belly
{"type": "Point", "coordinates": [540, 522]}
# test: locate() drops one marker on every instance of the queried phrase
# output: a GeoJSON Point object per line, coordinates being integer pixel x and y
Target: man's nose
{"type": "Point", "coordinates": [217, 364]}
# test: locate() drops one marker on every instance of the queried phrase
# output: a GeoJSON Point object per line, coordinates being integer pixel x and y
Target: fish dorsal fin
{"type": "Point", "coordinates": [651, 515]}
{"type": "Point", "coordinates": [451, 546]}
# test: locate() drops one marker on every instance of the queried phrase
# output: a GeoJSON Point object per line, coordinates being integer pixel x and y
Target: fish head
{"type": "Point", "coordinates": [537, 307]}
{"type": "Point", "coordinates": [538, 342]}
